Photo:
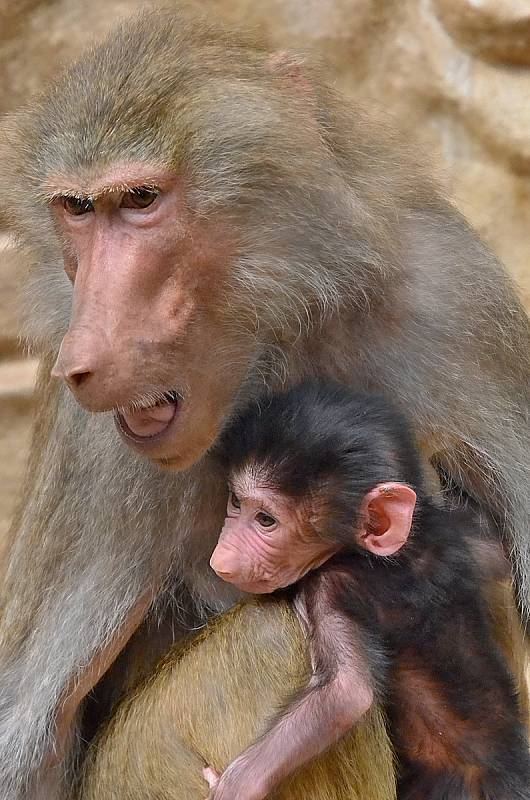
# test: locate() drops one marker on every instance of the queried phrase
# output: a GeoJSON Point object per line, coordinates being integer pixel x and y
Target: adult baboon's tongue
{"type": "Point", "coordinates": [150, 421]}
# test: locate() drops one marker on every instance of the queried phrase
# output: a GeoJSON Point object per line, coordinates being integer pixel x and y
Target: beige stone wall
{"type": "Point", "coordinates": [453, 73]}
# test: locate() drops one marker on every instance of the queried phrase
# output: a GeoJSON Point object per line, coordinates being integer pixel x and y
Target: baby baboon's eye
{"type": "Point", "coordinates": [265, 520]}
{"type": "Point", "coordinates": [234, 501]}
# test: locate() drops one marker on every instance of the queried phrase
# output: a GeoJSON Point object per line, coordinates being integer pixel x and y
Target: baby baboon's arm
{"type": "Point", "coordinates": [338, 694]}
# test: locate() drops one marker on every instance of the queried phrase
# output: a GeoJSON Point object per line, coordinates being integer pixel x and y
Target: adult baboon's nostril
{"type": "Point", "coordinates": [73, 376]}
{"type": "Point", "coordinates": [77, 377]}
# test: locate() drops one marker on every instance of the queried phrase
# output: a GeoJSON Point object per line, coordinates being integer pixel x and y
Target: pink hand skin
{"type": "Point", "coordinates": [338, 695]}
{"type": "Point", "coordinates": [211, 777]}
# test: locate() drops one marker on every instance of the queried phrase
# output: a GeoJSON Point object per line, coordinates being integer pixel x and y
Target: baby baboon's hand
{"type": "Point", "coordinates": [233, 784]}
{"type": "Point", "coordinates": [212, 779]}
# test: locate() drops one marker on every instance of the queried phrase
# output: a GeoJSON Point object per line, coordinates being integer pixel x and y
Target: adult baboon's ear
{"type": "Point", "coordinates": [288, 64]}
{"type": "Point", "coordinates": [292, 67]}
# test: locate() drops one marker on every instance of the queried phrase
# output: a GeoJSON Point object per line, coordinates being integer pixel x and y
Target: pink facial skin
{"type": "Point", "coordinates": [148, 275]}
{"type": "Point", "coordinates": [267, 541]}
{"type": "Point", "coordinates": [266, 544]}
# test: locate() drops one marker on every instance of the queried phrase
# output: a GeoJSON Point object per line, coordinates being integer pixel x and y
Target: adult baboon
{"type": "Point", "coordinates": [204, 218]}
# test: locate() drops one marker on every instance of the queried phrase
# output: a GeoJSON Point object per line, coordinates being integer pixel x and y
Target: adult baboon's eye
{"type": "Point", "coordinates": [265, 520]}
{"type": "Point", "coordinates": [76, 206]}
{"type": "Point", "coordinates": [141, 197]}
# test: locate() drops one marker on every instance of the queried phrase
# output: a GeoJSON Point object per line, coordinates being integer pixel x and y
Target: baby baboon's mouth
{"type": "Point", "coordinates": [148, 419]}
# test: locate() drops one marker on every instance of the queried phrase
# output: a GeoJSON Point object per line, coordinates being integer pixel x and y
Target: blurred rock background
{"type": "Point", "coordinates": [455, 74]}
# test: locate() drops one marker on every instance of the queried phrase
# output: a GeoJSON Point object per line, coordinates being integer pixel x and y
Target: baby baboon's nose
{"type": "Point", "coordinates": [225, 563]}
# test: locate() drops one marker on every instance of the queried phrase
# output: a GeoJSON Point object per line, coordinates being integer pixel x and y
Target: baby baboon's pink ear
{"type": "Point", "coordinates": [386, 518]}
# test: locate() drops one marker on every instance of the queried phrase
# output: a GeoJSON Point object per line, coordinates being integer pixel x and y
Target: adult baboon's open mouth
{"type": "Point", "coordinates": [150, 419]}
